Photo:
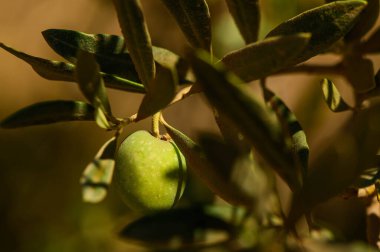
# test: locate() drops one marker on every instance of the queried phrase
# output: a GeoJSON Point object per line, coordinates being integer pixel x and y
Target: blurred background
{"type": "Point", "coordinates": [40, 195]}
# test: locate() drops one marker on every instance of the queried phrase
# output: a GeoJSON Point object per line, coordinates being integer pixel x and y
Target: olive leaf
{"type": "Point", "coordinates": [327, 24]}
{"type": "Point", "coordinates": [257, 123]}
{"type": "Point", "coordinates": [62, 71]}
{"type": "Point", "coordinates": [193, 17]}
{"type": "Point", "coordinates": [246, 14]}
{"type": "Point", "coordinates": [97, 176]}
{"type": "Point", "coordinates": [217, 180]}
{"type": "Point", "coordinates": [110, 51]}
{"type": "Point", "coordinates": [366, 21]}
{"type": "Point", "coordinates": [49, 112]}
{"type": "Point", "coordinates": [292, 130]}
{"type": "Point", "coordinates": [231, 134]}
{"type": "Point", "coordinates": [332, 97]}
{"type": "Point", "coordinates": [135, 31]}
{"type": "Point", "coordinates": [360, 73]}
{"type": "Point", "coordinates": [178, 229]}
{"type": "Point", "coordinates": [92, 86]}
{"type": "Point", "coordinates": [162, 91]}
{"type": "Point", "coordinates": [265, 57]}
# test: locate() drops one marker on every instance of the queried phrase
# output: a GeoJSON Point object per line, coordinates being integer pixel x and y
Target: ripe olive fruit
{"type": "Point", "coordinates": [149, 172]}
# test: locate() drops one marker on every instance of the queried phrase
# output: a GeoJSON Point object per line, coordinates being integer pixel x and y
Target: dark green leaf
{"type": "Point", "coordinates": [366, 21]}
{"type": "Point", "coordinates": [360, 73]}
{"type": "Point", "coordinates": [242, 108]}
{"type": "Point", "coordinates": [265, 57]}
{"type": "Point", "coordinates": [57, 70]}
{"type": "Point", "coordinates": [110, 51]}
{"type": "Point", "coordinates": [292, 130]}
{"type": "Point", "coordinates": [49, 112]}
{"type": "Point", "coordinates": [137, 37]}
{"type": "Point", "coordinates": [90, 81]}
{"type": "Point", "coordinates": [327, 24]}
{"type": "Point", "coordinates": [372, 44]}
{"type": "Point", "coordinates": [240, 169]}
{"type": "Point", "coordinates": [92, 86]}
{"type": "Point", "coordinates": [332, 97]}
{"type": "Point", "coordinates": [217, 180]}
{"type": "Point", "coordinates": [97, 176]}
{"type": "Point", "coordinates": [193, 17]}
{"type": "Point", "coordinates": [178, 229]}
{"type": "Point", "coordinates": [161, 93]}
{"type": "Point", "coordinates": [246, 14]}
{"type": "Point", "coordinates": [231, 134]}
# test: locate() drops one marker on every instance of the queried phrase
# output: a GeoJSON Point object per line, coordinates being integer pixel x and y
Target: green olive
{"type": "Point", "coordinates": [149, 172]}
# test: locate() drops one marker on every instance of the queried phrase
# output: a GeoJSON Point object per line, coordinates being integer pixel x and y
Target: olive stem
{"type": "Point", "coordinates": [156, 124]}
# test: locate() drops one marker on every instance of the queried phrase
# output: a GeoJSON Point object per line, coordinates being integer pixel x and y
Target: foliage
{"type": "Point", "coordinates": [257, 139]}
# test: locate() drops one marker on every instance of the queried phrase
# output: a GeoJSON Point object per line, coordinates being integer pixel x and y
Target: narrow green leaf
{"type": "Point", "coordinates": [110, 51]}
{"type": "Point", "coordinates": [371, 45]}
{"type": "Point", "coordinates": [292, 130]}
{"type": "Point", "coordinates": [256, 122]}
{"type": "Point", "coordinates": [327, 24]}
{"type": "Point", "coordinates": [360, 73]}
{"type": "Point", "coordinates": [49, 112]}
{"type": "Point", "coordinates": [366, 21]}
{"type": "Point", "coordinates": [92, 86]}
{"type": "Point", "coordinates": [137, 37]}
{"type": "Point", "coordinates": [90, 81]}
{"type": "Point", "coordinates": [193, 17]}
{"type": "Point", "coordinates": [161, 93]}
{"type": "Point", "coordinates": [178, 229]}
{"type": "Point", "coordinates": [97, 176]}
{"type": "Point", "coordinates": [231, 134]}
{"type": "Point", "coordinates": [265, 57]}
{"type": "Point", "coordinates": [332, 97]}
{"type": "Point", "coordinates": [61, 71]}
{"type": "Point", "coordinates": [246, 14]}
{"type": "Point", "coordinates": [218, 181]}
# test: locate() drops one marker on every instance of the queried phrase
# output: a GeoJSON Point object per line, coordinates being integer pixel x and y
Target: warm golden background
{"type": "Point", "coordinates": [41, 208]}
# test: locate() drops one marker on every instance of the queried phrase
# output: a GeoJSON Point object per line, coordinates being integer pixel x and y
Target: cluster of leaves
{"type": "Point", "coordinates": [257, 140]}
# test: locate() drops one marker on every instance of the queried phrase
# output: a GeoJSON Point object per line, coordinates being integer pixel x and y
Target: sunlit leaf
{"type": "Point", "coordinates": [246, 14]}
{"type": "Point", "coordinates": [366, 21]}
{"type": "Point", "coordinates": [161, 93]}
{"type": "Point", "coordinates": [265, 57]}
{"type": "Point", "coordinates": [217, 180]}
{"type": "Point", "coordinates": [292, 129]}
{"type": "Point", "coordinates": [61, 71]}
{"type": "Point", "coordinates": [332, 97]}
{"type": "Point", "coordinates": [360, 73]}
{"type": "Point", "coordinates": [327, 24]}
{"type": "Point", "coordinates": [49, 112]}
{"type": "Point", "coordinates": [97, 176]}
{"type": "Point", "coordinates": [92, 86]}
{"type": "Point", "coordinates": [137, 38]}
{"type": "Point", "coordinates": [178, 229]}
{"type": "Point", "coordinates": [110, 52]}
{"type": "Point", "coordinates": [193, 18]}
{"type": "Point", "coordinates": [231, 97]}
